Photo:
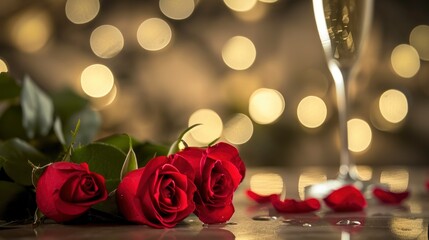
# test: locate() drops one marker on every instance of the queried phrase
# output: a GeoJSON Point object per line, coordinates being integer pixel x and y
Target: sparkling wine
{"type": "Point", "coordinates": [346, 23]}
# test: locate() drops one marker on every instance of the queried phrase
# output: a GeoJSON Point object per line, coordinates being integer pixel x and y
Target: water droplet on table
{"type": "Point", "coordinates": [264, 218]}
{"type": "Point", "coordinates": [296, 222]}
{"type": "Point", "coordinates": [218, 225]}
{"type": "Point", "coordinates": [347, 222]}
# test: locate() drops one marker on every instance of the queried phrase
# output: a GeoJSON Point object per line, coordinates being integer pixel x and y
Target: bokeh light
{"type": "Point", "coordinates": [82, 11]}
{"type": "Point", "coordinates": [240, 5]}
{"type": "Point", "coordinates": [239, 53]}
{"type": "Point", "coordinates": [106, 41]}
{"type": "Point", "coordinates": [395, 179]}
{"type": "Point", "coordinates": [101, 103]}
{"type": "Point", "coordinates": [405, 60]}
{"type": "Point", "coordinates": [255, 14]}
{"type": "Point", "coordinates": [154, 34]}
{"type": "Point", "coordinates": [31, 30]}
{"type": "Point", "coordinates": [266, 184]}
{"type": "Point", "coordinates": [359, 135]}
{"type": "Point", "coordinates": [268, 1]}
{"type": "Point", "coordinates": [364, 172]}
{"type": "Point", "coordinates": [177, 10]}
{"type": "Point", "coordinates": [97, 80]}
{"type": "Point", "coordinates": [239, 129]}
{"type": "Point", "coordinates": [393, 105]}
{"type": "Point", "coordinates": [311, 111]}
{"type": "Point", "coordinates": [211, 127]}
{"type": "Point", "coordinates": [266, 105]}
{"type": "Point", "coordinates": [419, 39]}
{"type": "Point", "coordinates": [407, 228]}
{"type": "Point", "coordinates": [188, 140]}
{"type": "Point", "coordinates": [3, 66]}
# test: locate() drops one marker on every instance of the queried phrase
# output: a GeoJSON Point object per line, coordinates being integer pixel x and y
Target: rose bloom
{"type": "Point", "coordinates": [218, 172]}
{"type": "Point", "coordinates": [67, 190]}
{"type": "Point", "coordinates": [160, 194]}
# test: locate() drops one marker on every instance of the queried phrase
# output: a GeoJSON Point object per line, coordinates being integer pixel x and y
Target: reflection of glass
{"type": "Point", "coordinates": [342, 26]}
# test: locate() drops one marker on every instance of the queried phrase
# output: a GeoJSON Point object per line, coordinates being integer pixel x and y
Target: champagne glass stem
{"type": "Point", "coordinates": [341, 77]}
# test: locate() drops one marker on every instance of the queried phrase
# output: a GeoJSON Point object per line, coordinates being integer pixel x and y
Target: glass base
{"type": "Point", "coordinates": [323, 189]}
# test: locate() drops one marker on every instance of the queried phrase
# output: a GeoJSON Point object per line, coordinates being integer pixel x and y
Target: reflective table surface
{"type": "Point", "coordinates": [260, 221]}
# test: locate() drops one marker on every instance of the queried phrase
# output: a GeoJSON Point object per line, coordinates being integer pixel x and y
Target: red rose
{"type": "Point", "coordinates": [67, 190]}
{"type": "Point", "coordinates": [160, 194]}
{"type": "Point", "coordinates": [346, 199]}
{"type": "Point", "coordinates": [219, 170]}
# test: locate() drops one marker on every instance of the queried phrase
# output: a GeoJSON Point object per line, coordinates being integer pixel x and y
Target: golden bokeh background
{"type": "Point", "coordinates": [253, 72]}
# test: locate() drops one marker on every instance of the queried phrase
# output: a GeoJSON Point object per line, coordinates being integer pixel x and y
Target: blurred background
{"type": "Point", "coordinates": [253, 72]}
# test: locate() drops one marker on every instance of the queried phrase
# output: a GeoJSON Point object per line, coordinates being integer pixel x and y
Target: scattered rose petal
{"type": "Point", "coordinates": [388, 197]}
{"type": "Point", "coordinates": [427, 185]}
{"type": "Point", "coordinates": [259, 198]}
{"type": "Point", "coordinates": [346, 199]}
{"type": "Point", "coordinates": [294, 206]}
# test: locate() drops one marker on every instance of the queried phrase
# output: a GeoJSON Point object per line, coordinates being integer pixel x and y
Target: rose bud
{"type": "Point", "coordinates": [219, 170]}
{"type": "Point", "coordinates": [67, 190]}
{"type": "Point", "coordinates": [160, 194]}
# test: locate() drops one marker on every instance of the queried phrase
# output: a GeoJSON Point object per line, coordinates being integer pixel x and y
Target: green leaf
{"type": "Point", "coordinates": [58, 130]}
{"type": "Point", "coordinates": [104, 159]}
{"type": "Point", "coordinates": [14, 157]}
{"type": "Point", "coordinates": [67, 103]}
{"type": "Point", "coordinates": [121, 141]}
{"type": "Point", "coordinates": [16, 202]}
{"type": "Point", "coordinates": [10, 123]}
{"type": "Point", "coordinates": [90, 122]}
{"type": "Point", "coordinates": [147, 151]}
{"type": "Point", "coordinates": [9, 88]}
{"type": "Point", "coordinates": [144, 150]}
{"type": "Point", "coordinates": [37, 109]}
{"type": "Point", "coordinates": [130, 162]}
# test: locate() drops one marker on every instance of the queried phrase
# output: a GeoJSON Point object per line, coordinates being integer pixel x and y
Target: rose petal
{"type": "Point", "coordinates": [346, 199]}
{"type": "Point", "coordinates": [126, 197]}
{"type": "Point", "coordinates": [226, 152]}
{"type": "Point", "coordinates": [427, 185]}
{"type": "Point", "coordinates": [191, 155]}
{"type": "Point", "coordinates": [294, 206]}
{"type": "Point", "coordinates": [388, 197]}
{"type": "Point", "coordinates": [259, 198]}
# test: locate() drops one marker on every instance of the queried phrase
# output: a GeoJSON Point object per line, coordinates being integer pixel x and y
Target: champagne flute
{"type": "Point", "coordinates": [343, 26]}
